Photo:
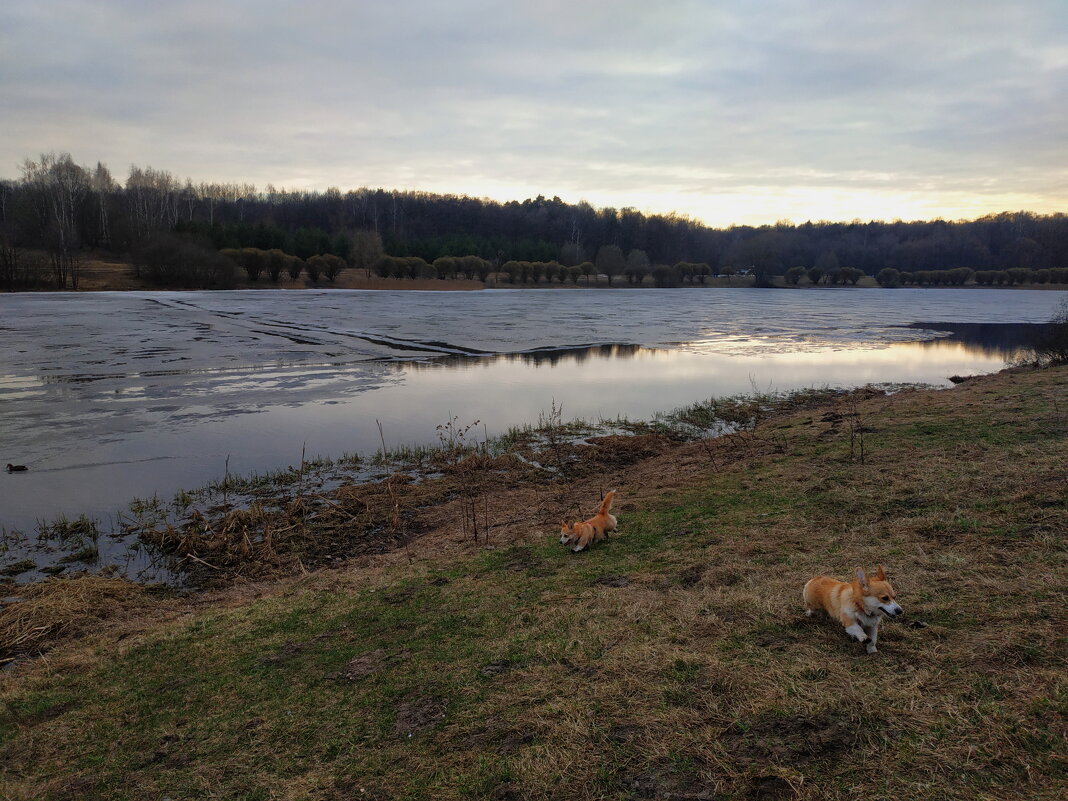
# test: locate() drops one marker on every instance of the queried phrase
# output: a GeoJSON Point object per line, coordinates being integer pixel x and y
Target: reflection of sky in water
{"type": "Point", "coordinates": [111, 396]}
{"type": "Point", "coordinates": [640, 382]}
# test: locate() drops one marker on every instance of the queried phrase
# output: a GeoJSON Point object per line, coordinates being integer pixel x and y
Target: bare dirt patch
{"type": "Point", "coordinates": [619, 450]}
{"type": "Point", "coordinates": [669, 784]}
{"type": "Point", "coordinates": [501, 737]}
{"type": "Point", "coordinates": [369, 664]}
{"type": "Point", "coordinates": [611, 581]}
{"type": "Point", "coordinates": [771, 788]}
{"type": "Point", "coordinates": [790, 739]}
{"type": "Point", "coordinates": [416, 715]}
{"type": "Point", "coordinates": [496, 668]}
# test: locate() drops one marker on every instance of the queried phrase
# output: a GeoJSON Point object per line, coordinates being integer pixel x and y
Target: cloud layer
{"type": "Point", "coordinates": [728, 111]}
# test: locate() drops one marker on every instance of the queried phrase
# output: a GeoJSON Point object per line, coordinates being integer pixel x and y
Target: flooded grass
{"type": "Point", "coordinates": [322, 510]}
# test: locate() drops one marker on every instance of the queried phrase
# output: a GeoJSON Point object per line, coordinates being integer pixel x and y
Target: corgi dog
{"type": "Point", "coordinates": [589, 531]}
{"type": "Point", "coordinates": [859, 605]}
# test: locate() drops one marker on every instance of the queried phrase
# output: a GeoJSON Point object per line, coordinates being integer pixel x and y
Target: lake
{"type": "Point", "coordinates": [108, 396]}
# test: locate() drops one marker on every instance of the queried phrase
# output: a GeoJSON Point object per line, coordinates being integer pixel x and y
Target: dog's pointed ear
{"type": "Point", "coordinates": [862, 580]}
{"type": "Point", "coordinates": [881, 575]}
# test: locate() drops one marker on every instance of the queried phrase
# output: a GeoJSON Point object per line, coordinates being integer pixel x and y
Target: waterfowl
{"type": "Point", "coordinates": [15, 468]}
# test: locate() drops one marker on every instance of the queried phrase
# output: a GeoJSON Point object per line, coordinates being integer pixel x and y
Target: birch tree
{"type": "Point", "coordinates": [152, 198]}
{"type": "Point", "coordinates": [366, 249]}
{"type": "Point", "coordinates": [103, 186]}
{"type": "Point", "coordinates": [59, 188]}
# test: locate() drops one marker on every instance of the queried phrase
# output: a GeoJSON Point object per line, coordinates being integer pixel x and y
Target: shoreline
{"type": "Point", "coordinates": [468, 660]}
{"type": "Point", "coordinates": [552, 451]}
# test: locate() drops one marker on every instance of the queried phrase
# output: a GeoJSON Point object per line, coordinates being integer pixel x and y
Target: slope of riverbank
{"type": "Point", "coordinates": [672, 661]}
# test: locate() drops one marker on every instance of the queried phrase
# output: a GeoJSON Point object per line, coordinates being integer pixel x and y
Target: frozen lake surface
{"type": "Point", "coordinates": [108, 396]}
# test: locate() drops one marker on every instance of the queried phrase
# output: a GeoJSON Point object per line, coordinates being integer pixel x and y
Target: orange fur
{"type": "Point", "coordinates": [589, 531]}
{"type": "Point", "coordinates": [859, 605]}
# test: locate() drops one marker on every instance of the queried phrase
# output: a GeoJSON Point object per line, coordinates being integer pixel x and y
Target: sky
{"type": "Point", "coordinates": [730, 112]}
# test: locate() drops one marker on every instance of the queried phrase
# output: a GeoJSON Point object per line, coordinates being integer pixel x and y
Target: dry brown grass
{"type": "Point", "coordinates": [62, 609]}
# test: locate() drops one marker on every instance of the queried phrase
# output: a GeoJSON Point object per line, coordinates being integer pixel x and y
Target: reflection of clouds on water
{"type": "Point", "coordinates": [989, 340]}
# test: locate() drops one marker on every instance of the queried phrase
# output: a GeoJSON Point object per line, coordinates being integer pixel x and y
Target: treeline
{"type": "Point", "coordinates": [61, 208]}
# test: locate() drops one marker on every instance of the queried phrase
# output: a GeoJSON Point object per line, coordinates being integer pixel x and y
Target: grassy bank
{"type": "Point", "coordinates": [672, 661]}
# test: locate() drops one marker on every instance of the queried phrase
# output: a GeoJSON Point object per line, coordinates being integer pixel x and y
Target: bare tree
{"type": "Point", "coordinates": [10, 253]}
{"type": "Point", "coordinates": [153, 199]}
{"type": "Point", "coordinates": [103, 186]}
{"type": "Point", "coordinates": [332, 265]}
{"type": "Point", "coordinates": [571, 253]}
{"type": "Point", "coordinates": [190, 198]}
{"type": "Point", "coordinates": [638, 266]}
{"type": "Point", "coordinates": [211, 194]}
{"type": "Point", "coordinates": [610, 261]}
{"type": "Point", "coordinates": [366, 249]}
{"type": "Point", "coordinates": [59, 187]}
{"type": "Point", "coordinates": [294, 266]}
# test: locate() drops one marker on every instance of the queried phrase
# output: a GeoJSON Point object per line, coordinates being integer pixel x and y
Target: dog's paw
{"type": "Point", "coordinates": [871, 649]}
{"type": "Point", "coordinates": [577, 548]}
{"type": "Point", "coordinates": [859, 637]}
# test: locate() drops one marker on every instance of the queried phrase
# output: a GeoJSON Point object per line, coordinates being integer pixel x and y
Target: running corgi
{"type": "Point", "coordinates": [858, 605]}
{"type": "Point", "coordinates": [593, 530]}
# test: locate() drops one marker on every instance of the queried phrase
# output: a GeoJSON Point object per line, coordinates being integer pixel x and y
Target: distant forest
{"type": "Point", "coordinates": [61, 208]}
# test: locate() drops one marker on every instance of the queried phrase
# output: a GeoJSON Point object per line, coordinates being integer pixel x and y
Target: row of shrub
{"type": "Point", "coordinates": [472, 267]}
{"type": "Point", "coordinates": [525, 272]}
{"type": "Point", "coordinates": [663, 275]}
{"type": "Point", "coordinates": [817, 275]}
{"type": "Point", "coordinates": [1022, 275]}
{"type": "Point", "coordinates": [274, 263]}
{"type": "Point", "coordinates": [890, 277]}
{"type": "Point", "coordinates": [174, 260]}
{"type": "Point", "coordinates": [477, 268]}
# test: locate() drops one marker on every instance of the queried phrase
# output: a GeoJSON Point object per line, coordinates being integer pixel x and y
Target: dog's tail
{"type": "Point", "coordinates": [606, 504]}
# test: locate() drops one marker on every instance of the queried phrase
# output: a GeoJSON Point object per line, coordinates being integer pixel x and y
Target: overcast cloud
{"type": "Point", "coordinates": [727, 111]}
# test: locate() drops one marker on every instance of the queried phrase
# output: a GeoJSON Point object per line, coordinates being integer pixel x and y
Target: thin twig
{"type": "Point", "coordinates": [198, 559]}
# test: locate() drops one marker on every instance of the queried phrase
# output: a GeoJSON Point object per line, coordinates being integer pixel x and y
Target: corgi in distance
{"type": "Point", "coordinates": [859, 605]}
{"type": "Point", "coordinates": [589, 531]}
